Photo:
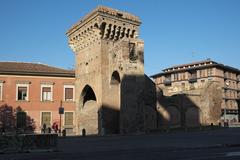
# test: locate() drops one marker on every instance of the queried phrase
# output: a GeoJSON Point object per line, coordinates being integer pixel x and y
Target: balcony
{"type": "Point", "coordinates": [193, 79]}
{"type": "Point", "coordinates": [167, 82]}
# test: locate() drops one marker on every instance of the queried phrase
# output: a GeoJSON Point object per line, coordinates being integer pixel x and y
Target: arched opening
{"type": "Point", "coordinates": [88, 95]}
{"type": "Point", "coordinates": [102, 28]}
{"type": "Point", "coordinates": [115, 78]}
{"type": "Point", "coordinates": [88, 115]}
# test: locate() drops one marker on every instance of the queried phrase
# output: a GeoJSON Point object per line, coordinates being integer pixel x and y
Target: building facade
{"type": "Point", "coordinates": [39, 89]}
{"type": "Point", "coordinates": [198, 75]}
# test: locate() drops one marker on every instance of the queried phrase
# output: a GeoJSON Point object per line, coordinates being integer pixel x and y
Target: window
{"type": "Point", "coordinates": [68, 119]}
{"type": "Point", "coordinates": [46, 92]}
{"type": "Point", "coordinates": [210, 72]}
{"type": "Point", "coordinates": [183, 76]}
{"type": "Point", "coordinates": [175, 76]}
{"type": "Point", "coordinates": [69, 93]}
{"type": "Point", "coordinates": [22, 92]}
{"type": "Point", "coordinates": [168, 78]}
{"type": "Point", "coordinates": [201, 73]}
{"type": "Point", "coordinates": [46, 119]}
{"type": "Point", "coordinates": [183, 86]}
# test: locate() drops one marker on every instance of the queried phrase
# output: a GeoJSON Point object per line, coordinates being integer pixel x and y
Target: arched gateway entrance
{"type": "Point", "coordinates": [89, 109]}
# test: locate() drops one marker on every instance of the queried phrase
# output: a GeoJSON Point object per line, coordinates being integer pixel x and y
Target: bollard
{"type": "Point", "coordinates": [83, 132]}
{"type": "Point", "coordinates": [219, 125]}
{"type": "Point", "coordinates": [64, 132]}
{"type": "Point", "coordinates": [211, 126]}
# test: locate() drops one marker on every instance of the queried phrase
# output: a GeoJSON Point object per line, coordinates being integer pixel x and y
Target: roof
{"type": "Point", "coordinates": [195, 65]}
{"type": "Point", "coordinates": [191, 64]}
{"type": "Point", "coordinates": [108, 11]}
{"type": "Point", "coordinates": [24, 68]}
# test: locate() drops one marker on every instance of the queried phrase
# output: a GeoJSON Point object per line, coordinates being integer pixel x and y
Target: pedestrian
{"type": "Point", "coordinates": [56, 128]}
{"type": "Point", "coordinates": [44, 128]}
{"type": "Point", "coordinates": [64, 132]}
{"type": "Point", "coordinates": [49, 130]}
{"type": "Point", "coordinates": [3, 130]}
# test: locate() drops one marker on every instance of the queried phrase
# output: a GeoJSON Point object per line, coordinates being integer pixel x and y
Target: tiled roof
{"type": "Point", "coordinates": [194, 66]}
{"type": "Point", "coordinates": [24, 68]}
{"type": "Point", "coordinates": [190, 64]}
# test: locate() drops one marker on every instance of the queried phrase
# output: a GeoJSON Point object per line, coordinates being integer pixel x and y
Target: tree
{"type": "Point", "coordinates": [8, 118]}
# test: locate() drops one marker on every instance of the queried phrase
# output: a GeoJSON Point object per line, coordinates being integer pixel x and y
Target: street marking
{"type": "Point", "coordinates": [232, 154]}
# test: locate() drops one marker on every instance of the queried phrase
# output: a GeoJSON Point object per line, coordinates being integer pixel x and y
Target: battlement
{"type": "Point", "coordinates": [103, 23]}
{"type": "Point", "coordinates": [106, 11]}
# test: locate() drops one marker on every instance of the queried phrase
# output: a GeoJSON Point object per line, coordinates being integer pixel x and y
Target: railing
{"type": "Point", "coordinates": [28, 142]}
{"type": "Point", "coordinates": [193, 79]}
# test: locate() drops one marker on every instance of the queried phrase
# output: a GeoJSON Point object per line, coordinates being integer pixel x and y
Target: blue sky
{"type": "Point", "coordinates": [174, 31]}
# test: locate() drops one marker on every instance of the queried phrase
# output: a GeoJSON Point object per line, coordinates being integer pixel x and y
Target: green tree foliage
{"type": "Point", "coordinates": [8, 118]}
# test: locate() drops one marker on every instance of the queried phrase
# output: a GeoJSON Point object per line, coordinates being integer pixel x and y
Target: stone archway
{"type": "Point", "coordinates": [115, 78]}
{"type": "Point", "coordinates": [87, 95]}
{"type": "Point", "coordinates": [89, 111]}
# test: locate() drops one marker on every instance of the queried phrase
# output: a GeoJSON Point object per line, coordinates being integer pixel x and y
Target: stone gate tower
{"type": "Point", "coordinates": [109, 72]}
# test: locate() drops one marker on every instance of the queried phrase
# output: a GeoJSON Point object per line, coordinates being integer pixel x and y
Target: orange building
{"type": "Point", "coordinates": [38, 89]}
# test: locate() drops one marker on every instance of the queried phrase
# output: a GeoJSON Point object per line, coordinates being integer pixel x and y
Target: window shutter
{"type": "Point", "coordinates": [46, 89]}
{"type": "Point", "coordinates": [68, 118]}
{"type": "Point", "coordinates": [46, 118]}
{"type": "Point", "coordinates": [22, 89]}
{"type": "Point", "coordinates": [68, 93]}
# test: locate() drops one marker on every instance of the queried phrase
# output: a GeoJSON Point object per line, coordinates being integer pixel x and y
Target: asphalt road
{"type": "Point", "coordinates": [204, 145]}
{"type": "Point", "coordinates": [232, 153]}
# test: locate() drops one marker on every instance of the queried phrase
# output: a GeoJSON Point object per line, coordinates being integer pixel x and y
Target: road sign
{"type": "Point", "coordinates": [61, 110]}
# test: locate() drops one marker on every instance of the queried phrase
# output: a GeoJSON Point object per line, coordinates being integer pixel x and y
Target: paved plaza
{"type": "Point", "coordinates": [216, 144]}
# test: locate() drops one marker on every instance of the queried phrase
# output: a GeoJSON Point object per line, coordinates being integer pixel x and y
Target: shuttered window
{"type": "Point", "coordinates": [68, 94]}
{"type": "Point", "coordinates": [68, 118]}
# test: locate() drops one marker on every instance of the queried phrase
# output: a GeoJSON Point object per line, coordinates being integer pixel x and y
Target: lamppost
{"type": "Point", "coordinates": [60, 111]}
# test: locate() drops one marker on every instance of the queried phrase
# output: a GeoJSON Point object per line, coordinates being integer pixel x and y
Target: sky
{"type": "Point", "coordinates": [174, 31]}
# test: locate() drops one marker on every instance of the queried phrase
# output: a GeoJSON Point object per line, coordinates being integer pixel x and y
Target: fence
{"type": "Point", "coordinates": [28, 142]}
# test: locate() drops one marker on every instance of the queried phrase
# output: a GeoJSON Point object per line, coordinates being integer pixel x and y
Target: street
{"type": "Point", "coordinates": [202, 145]}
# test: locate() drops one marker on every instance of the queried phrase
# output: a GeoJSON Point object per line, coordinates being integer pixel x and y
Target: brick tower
{"type": "Point", "coordinates": [109, 72]}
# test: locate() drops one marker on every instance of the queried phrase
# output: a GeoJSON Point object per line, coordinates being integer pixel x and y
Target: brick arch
{"type": "Point", "coordinates": [115, 78]}
{"type": "Point", "coordinates": [87, 94]}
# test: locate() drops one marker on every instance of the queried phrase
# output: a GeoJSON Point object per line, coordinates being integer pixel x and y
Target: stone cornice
{"type": "Point", "coordinates": [105, 11]}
